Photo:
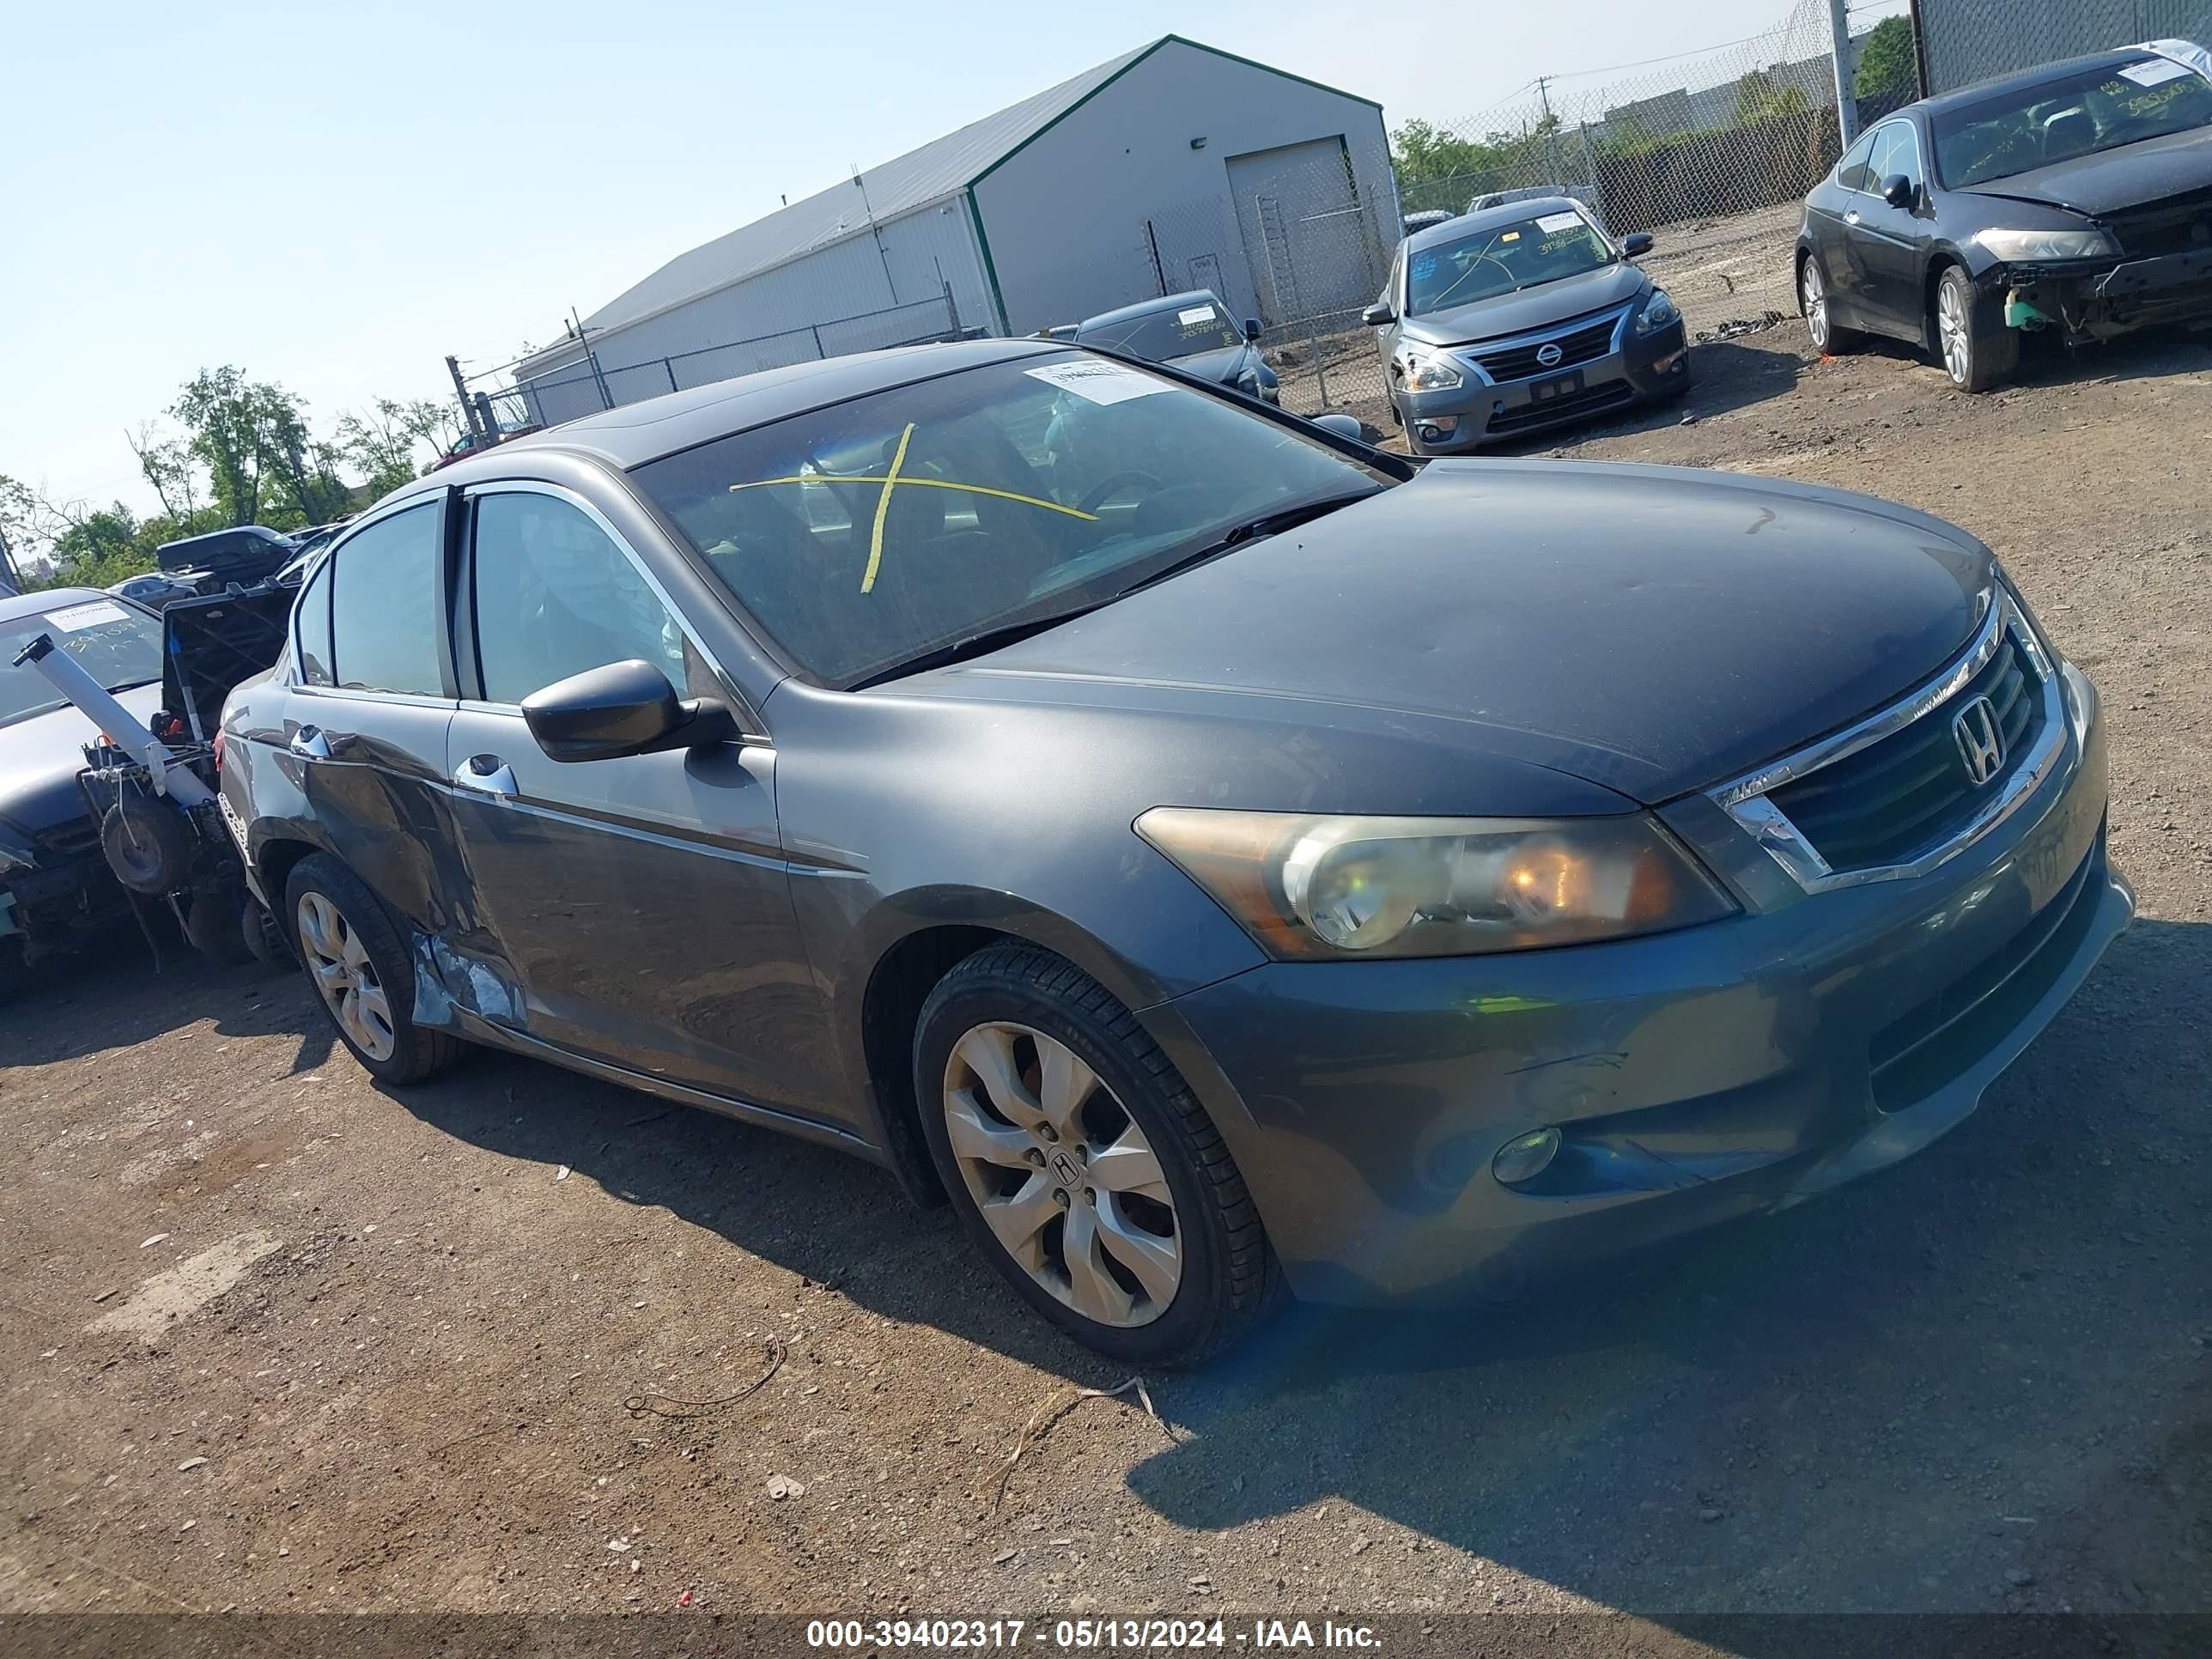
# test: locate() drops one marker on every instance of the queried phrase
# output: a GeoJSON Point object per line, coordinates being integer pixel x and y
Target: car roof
{"type": "Point", "coordinates": [2026, 81]}
{"type": "Point", "coordinates": [637, 433]}
{"type": "Point", "coordinates": [16, 605]}
{"type": "Point", "coordinates": [1148, 307]}
{"type": "Point", "coordinates": [1510, 212]}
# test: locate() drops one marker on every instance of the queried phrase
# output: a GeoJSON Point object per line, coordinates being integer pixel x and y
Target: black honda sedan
{"type": "Point", "coordinates": [1213, 854]}
{"type": "Point", "coordinates": [2075, 198]}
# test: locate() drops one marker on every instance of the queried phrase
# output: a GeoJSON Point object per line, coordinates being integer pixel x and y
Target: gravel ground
{"type": "Point", "coordinates": [277, 1340]}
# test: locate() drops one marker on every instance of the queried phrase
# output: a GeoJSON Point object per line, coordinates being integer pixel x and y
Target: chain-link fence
{"type": "Point", "coordinates": [1970, 41]}
{"type": "Point", "coordinates": [602, 378]}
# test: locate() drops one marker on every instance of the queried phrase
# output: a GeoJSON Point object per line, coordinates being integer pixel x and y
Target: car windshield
{"type": "Point", "coordinates": [1543, 248]}
{"type": "Point", "coordinates": [873, 533]}
{"type": "Point", "coordinates": [117, 644]}
{"type": "Point", "coordinates": [2076, 114]}
{"type": "Point", "coordinates": [1181, 330]}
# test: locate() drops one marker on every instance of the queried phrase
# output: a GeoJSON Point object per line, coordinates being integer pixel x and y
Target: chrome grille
{"type": "Point", "coordinates": [1895, 795]}
{"type": "Point", "coordinates": [1892, 797]}
{"type": "Point", "coordinates": [1519, 362]}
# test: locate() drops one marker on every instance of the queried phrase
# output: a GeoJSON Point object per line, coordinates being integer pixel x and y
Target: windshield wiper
{"type": "Point", "coordinates": [973, 645]}
{"type": "Point", "coordinates": [1268, 524]}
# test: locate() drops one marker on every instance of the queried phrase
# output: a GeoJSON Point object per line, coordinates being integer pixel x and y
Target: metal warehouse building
{"type": "Point", "coordinates": [1172, 166]}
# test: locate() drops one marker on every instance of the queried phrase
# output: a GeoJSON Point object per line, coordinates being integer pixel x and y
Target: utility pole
{"type": "Point", "coordinates": [606, 397]}
{"type": "Point", "coordinates": [1847, 103]}
{"type": "Point", "coordinates": [461, 390]}
{"type": "Point", "coordinates": [1551, 131]}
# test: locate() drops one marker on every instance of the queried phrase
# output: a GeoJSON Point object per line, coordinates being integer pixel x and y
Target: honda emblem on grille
{"type": "Point", "coordinates": [1549, 355]}
{"type": "Point", "coordinates": [1981, 740]}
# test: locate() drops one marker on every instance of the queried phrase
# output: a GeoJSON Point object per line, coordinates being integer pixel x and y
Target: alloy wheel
{"type": "Point", "coordinates": [1816, 306]}
{"type": "Point", "coordinates": [338, 962]}
{"type": "Point", "coordinates": [1951, 331]}
{"type": "Point", "coordinates": [1062, 1175]}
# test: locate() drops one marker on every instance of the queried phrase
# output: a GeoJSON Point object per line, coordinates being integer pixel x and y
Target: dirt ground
{"type": "Point", "coordinates": [275, 1339]}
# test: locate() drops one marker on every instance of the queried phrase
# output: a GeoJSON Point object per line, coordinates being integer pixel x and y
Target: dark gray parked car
{"type": "Point", "coordinates": [1522, 317]}
{"type": "Point", "coordinates": [1214, 853]}
{"type": "Point", "coordinates": [1191, 330]}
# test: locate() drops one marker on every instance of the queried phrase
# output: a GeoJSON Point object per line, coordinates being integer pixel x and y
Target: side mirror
{"type": "Point", "coordinates": [1341, 425]}
{"type": "Point", "coordinates": [1897, 190]}
{"type": "Point", "coordinates": [623, 709]}
{"type": "Point", "coordinates": [1637, 244]}
{"type": "Point", "coordinates": [1378, 315]}
{"type": "Point", "coordinates": [1252, 330]}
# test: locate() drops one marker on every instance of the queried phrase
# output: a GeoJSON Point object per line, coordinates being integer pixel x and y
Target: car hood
{"type": "Point", "coordinates": [2114, 179]}
{"type": "Point", "coordinates": [1223, 363]}
{"type": "Point", "coordinates": [40, 757]}
{"type": "Point", "coordinates": [1531, 307]}
{"type": "Point", "coordinates": [1649, 629]}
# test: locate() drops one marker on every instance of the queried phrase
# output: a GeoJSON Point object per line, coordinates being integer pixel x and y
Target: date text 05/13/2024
{"type": "Point", "coordinates": [1087, 1634]}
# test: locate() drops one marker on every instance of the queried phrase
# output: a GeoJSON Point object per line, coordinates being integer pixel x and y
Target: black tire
{"type": "Point", "coordinates": [1988, 351]}
{"type": "Point", "coordinates": [1230, 1277]}
{"type": "Point", "coordinates": [144, 839]}
{"type": "Point", "coordinates": [1830, 338]}
{"type": "Point", "coordinates": [212, 926]}
{"type": "Point", "coordinates": [15, 972]}
{"type": "Point", "coordinates": [416, 1053]}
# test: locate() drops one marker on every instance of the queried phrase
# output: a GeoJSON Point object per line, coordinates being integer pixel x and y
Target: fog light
{"type": "Point", "coordinates": [1665, 365]}
{"type": "Point", "coordinates": [1525, 1158]}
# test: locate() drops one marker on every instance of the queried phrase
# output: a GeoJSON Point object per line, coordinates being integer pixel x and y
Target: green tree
{"type": "Point", "coordinates": [1425, 154]}
{"type": "Point", "coordinates": [1888, 65]}
{"type": "Point", "coordinates": [381, 444]}
{"type": "Point", "coordinates": [1759, 97]}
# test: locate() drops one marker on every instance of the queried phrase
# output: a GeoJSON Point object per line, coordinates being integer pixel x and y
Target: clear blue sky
{"type": "Point", "coordinates": [335, 197]}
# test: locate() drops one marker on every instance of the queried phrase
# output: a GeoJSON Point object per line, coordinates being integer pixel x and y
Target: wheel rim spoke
{"type": "Point", "coordinates": [1093, 1291]}
{"type": "Point", "coordinates": [1130, 1165]}
{"type": "Point", "coordinates": [1156, 1261]}
{"type": "Point", "coordinates": [1066, 1083]}
{"type": "Point", "coordinates": [350, 950]}
{"type": "Point", "coordinates": [988, 1053]}
{"type": "Point", "coordinates": [974, 1136]}
{"type": "Point", "coordinates": [1019, 1221]}
{"type": "Point", "coordinates": [315, 925]}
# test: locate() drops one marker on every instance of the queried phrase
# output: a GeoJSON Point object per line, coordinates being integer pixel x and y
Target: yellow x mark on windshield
{"type": "Point", "coordinates": [892, 479]}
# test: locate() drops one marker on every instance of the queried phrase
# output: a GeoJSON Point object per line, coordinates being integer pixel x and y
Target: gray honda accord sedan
{"type": "Point", "coordinates": [1216, 856]}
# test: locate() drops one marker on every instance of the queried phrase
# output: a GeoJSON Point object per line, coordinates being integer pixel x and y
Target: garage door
{"type": "Point", "coordinates": [1309, 239]}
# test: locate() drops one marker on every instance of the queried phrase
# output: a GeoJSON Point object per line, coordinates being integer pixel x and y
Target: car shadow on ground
{"type": "Point", "coordinates": [1809, 1408]}
{"type": "Point", "coordinates": [1731, 374]}
{"type": "Point", "coordinates": [121, 992]}
{"type": "Point", "coordinates": [2154, 353]}
{"type": "Point", "coordinates": [1855, 1394]}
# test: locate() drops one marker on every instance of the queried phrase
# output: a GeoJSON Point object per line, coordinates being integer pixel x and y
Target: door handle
{"type": "Point", "coordinates": [309, 744]}
{"type": "Point", "coordinates": [1853, 217]}
{"type": "Point", "coordinates": [488, 775]}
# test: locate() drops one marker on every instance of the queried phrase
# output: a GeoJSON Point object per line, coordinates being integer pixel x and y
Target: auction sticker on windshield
{"type": "Point", "coordinates": [1196, 314]}
{"type": "Point", "coordinates": [1552, 223]}
{"type": "Point", "coordinates": [76, 618]}
{"type": "Point", "coordinates": [2155, 73]}
{"type": "Point", "coordinates": [1097, 381]}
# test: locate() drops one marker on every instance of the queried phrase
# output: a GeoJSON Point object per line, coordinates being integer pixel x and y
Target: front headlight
{"type": "Point", "coordinates": [1659, 311]}
{"type": "Point", "coordinates": [1426, 371]}
{"type": "Point", "coordinates": [1308, 886]}
{"type": "Point", "coordinates": [2027, 246]}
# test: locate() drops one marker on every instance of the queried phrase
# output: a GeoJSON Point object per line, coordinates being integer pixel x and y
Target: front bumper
{"type": "Point", "coordinates": [1695, 1077]}
{"type": "Point", "coordinates": [2100, 301]}
{"type": "Point", "coordinates": [1639, 368]}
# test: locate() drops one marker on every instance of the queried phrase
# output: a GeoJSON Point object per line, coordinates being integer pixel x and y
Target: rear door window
{"type": "Point", "coordinates": [386, 632]}
{"type": "Point", "coordinates": [313, 611]}
{"type": "Point", "coordinates": [1854, 172]}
